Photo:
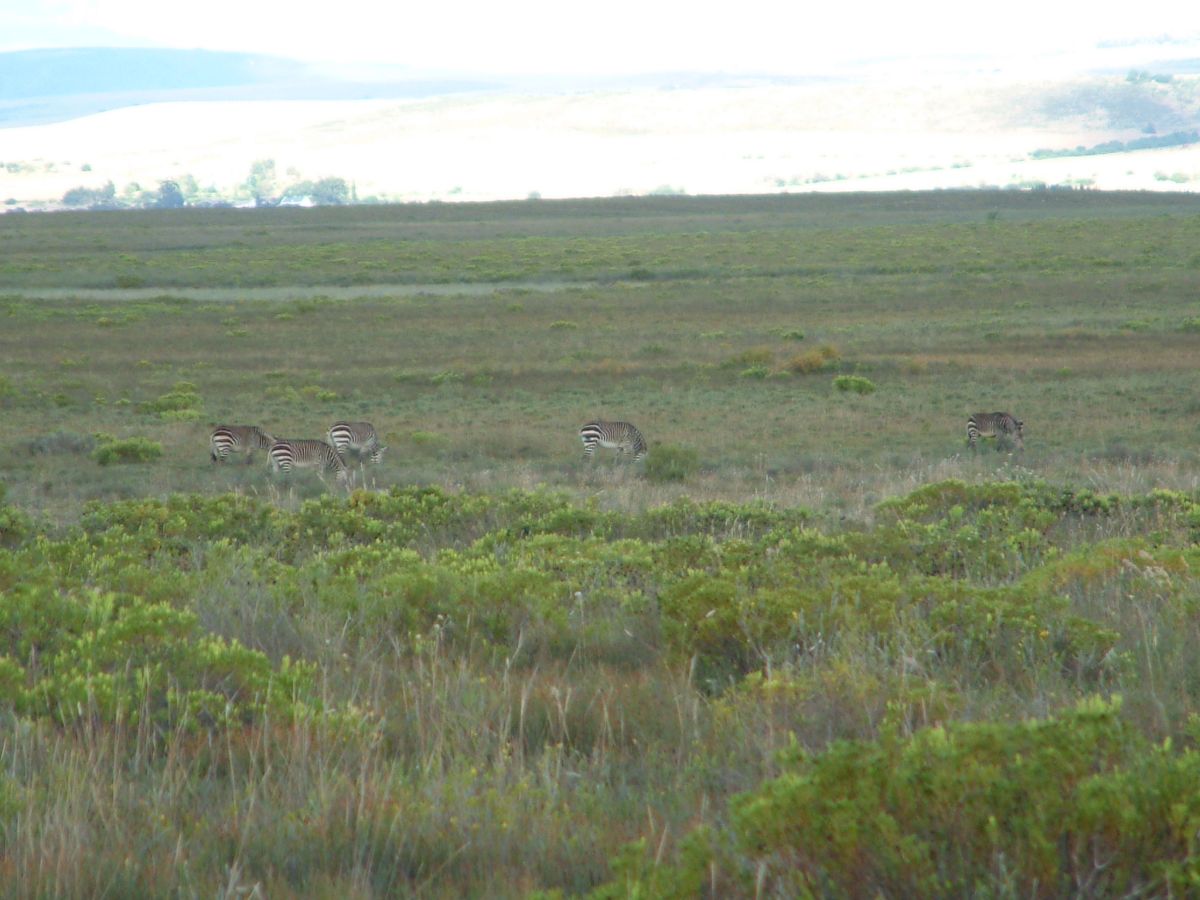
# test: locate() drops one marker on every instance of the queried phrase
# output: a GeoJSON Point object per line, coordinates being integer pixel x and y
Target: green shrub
{"type": "Point", "coordinates": [1078, 804]}
{"type": "Point", "coordinates": [181, 398]}
{"type": "Point", "coordinates": [129, 450]}
{"type": "Point", "coordinates": [106, 654]}
{"type": "Point", "coordinates": [670, 463]}
{"type": "Point", "coordinates": [316, 392]}
{"type": "Point", "coordinates": [949, 810]}
{"type": "Point", "coordinates": [181, 415]}
{"type": "Point", "coordinates": [855, 383]}
{"type": "Point", "coordinates": [15, 524]}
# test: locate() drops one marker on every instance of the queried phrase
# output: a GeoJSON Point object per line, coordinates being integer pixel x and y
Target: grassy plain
{"type": "Point", "coordinates": [482, 336]}
{"type": "Point", "coordinates": [504, 686]}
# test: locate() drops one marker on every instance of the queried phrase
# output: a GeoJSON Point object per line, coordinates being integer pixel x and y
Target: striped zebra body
{"type": "Point", "coordinates": [289, 454]}
{"type": "Point", "coordinates": [357, 436]}
{"type": "Point", "coordinates": [995, 425]}
{"type": "Point", "coordinates": [227, 439]}
{"type": "Point", "coordinates": [619, 436]}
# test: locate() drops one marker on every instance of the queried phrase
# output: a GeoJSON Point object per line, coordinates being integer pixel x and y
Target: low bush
{"type": "Point", "coordinates": [182, 398]}
{"type": "Point", "coordinates": [667, 463]}
{"type": "Point", "coordinates": [815, 360]}
{"type": "Point", "coordinates": [855, 383]}
{"type": "Point", "coordinates": [1077, 804]}
{"type": "Point", "coordinates": [128, 450]}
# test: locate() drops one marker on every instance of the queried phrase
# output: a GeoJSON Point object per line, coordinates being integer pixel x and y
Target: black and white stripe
{"type": "Point", "coordinates": [227, 439]}
{"type": "Point", "coordinates": [360, 437]}
{"type": "Point", "coordinates": [995, 425]}
{"type": "Point", "coordinates": [619, 436]}
{"type": "Point", "coordinates": [287, 454]}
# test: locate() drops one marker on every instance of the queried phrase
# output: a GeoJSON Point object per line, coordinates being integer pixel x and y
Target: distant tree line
{"type": "Point", "coordinates": [1174, 139]}
{"type": "Point", "coordinates": [261, 188]}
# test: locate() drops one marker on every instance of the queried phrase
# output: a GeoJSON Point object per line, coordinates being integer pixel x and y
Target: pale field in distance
{"type": "Point", "coordinates": [697, 140]}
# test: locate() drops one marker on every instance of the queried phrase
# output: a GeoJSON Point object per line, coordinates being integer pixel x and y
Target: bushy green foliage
{"type": "Point", "coordinates": [108, 654]}
{"type": "Point", "coordinates": [1078, 803]}
{"type": "Point", "coordinates": [15, 524]}
{"type": "Point", "coordinates": [127, 450]}
{"type": "Point", "coordinates": [855, 383]}
{"type": "Point", "coordinates": [181, 403]}
{"type": "Point", "coordinates": [210, 616]}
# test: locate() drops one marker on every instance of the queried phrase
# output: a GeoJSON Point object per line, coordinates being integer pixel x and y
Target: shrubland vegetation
{"type": "Point", "coordinates": [808, 647]}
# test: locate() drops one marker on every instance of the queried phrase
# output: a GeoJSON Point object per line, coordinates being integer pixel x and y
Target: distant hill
{"type": "Point", "coordinates": [117, 123]}
{"type": "Point", "coordinates": [38, 87]}
{"type": "Point", "coordinates": [98, 70]}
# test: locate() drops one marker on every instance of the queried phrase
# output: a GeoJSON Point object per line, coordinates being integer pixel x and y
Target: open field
{"type": "Point", "coordinates": [811, 644]}
{"type": "Point", "coordinates": [479, 338]}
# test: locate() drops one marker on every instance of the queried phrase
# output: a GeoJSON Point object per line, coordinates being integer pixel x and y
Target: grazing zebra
{"type": "Point", "coordinates": [620, 436]}
{"type": "Point", "coordinates": [994, 425]}
{"type": "Point", "coordinates": [357, 436]}
{"type": "Point", "coordinates": [287, 454]}
{"type": "Point", "coordinates": [246, 439]}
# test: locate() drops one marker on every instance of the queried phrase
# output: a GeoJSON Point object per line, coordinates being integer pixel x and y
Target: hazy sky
{"type": "Point", "coordinates": [616, 36]}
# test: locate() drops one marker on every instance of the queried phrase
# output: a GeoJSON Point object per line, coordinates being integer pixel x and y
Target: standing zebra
{"type": "Point", "coordinates": [357, 436]}
{"type": "Point", "coordinates": [620, 436]}
{"type": "Point", "coordinates": [287, 454]}
{"type": "Point", "coordinates": [994, 425]}
{"type": "Point", "coordinates": [228, 439]}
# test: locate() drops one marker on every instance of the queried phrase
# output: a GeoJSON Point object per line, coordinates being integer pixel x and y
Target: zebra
{"type": "Point", "coordinates": [620, 436]}
{"type": "Point", "coordinates": [358, 436]}
{"type": "Point", "coordinates": [287, 454]}
{"type": "Point", "coordinates": [246, 439]}
{"type": "Point", "coordinates": [995, 425]}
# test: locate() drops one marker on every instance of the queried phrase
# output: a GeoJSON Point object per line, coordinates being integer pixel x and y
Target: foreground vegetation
{"type": "Point", "coordinates": [809, 647]}
{"type": "Point", "coordinates": [479, 694]}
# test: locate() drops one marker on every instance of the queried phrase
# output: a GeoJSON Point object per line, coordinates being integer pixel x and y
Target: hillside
{"type": "Point", "coordinates": [720, 135]}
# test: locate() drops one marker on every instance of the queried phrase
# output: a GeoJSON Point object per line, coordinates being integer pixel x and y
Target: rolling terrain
{"type": "Point", "coordinates": [425, 138]}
